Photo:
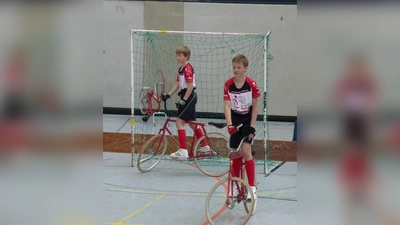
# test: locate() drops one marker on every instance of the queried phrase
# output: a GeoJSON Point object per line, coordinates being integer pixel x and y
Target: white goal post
{"type": "Point", "coordinates": [211, 56]}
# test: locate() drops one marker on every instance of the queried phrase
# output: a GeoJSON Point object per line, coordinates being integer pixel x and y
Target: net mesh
{"type": "Point", "coordinates": [211, 57]}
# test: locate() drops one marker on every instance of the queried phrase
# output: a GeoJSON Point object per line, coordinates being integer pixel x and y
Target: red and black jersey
{"type": "Point", "coordinates": [186, 75]}
{"type": "Point", "coordinates": [356, 94]}
{"type": "Point", "coordinates": [241, 98]}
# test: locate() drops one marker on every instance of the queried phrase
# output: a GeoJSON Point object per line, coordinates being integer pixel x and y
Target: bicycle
{"type": "Point", "coordinates": [149, 101]}
{"type": "Point", "coordinates": [222, 198]}
{"type": "Point", "coordinates": [212, 163]}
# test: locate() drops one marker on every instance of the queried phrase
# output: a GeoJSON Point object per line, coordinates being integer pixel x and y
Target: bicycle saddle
{"type": "Point", "coordinates": [217, 125]}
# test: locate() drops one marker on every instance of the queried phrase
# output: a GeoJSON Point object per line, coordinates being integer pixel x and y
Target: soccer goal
{"type": "Point", "coordinates": [154, 69]}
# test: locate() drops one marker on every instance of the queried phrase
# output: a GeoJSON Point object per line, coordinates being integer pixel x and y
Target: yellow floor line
{"type": "Point", "coordinates": [121, 222]}
{"type": "Point", "coordinates": [126, 223]}
{"type": "Point", "coordinates": [194, 194]}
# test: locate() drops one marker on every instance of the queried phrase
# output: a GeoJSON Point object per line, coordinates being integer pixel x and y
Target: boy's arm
{"type": "Point", "coordinates": [174, 88]}
{"type": "Point", "coordinates": [188, 91]}
{"type": "Point", "coordinates": [254, 114]}
{"type": "Point", "coordinates": [227, 112]}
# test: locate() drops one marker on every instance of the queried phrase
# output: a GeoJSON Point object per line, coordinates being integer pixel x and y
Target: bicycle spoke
{"type": "Point", "coordinates": [152, 153]}
{"type": "Point", "coordinates": [216, 161]}
{"type": "Point", "coordinates": [160, 83]}
{"type": "Point", "coordinates": [222, 209]}
{"type": "Point", "coordinates": [144, 100]}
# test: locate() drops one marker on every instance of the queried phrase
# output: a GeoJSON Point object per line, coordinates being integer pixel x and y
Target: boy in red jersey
{"type": "Point", "coordinates": [241, 95]}
{"type": "Point", "coordinates": [187, 105]}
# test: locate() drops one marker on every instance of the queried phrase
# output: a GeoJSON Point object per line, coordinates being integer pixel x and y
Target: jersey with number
{"type": "Point", "coordinates": [241, 98]}
{"type": "Point", "coordinates": [356, 94]}
{"type": "Point", "coordinates": [186, 75]}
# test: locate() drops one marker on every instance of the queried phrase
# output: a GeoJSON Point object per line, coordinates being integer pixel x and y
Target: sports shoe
{"type": "Point", "coordinates": [235, 193]}
{"type": "Point", "coordinates": [180, 154]}
{"type": "Point", "coordinates": [254, 189]}
{"type": "Point", "coordinates": [205, 149]}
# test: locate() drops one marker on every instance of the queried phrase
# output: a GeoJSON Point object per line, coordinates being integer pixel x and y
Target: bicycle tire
{"type": "Point", "coordinates": [160, 83]}
{"type": "Point", "coordinates": [247, 205]}
{"type": "Point", "coordinates": [152, 152]}
{"type": "Point", "coordinates": [220, 209]}
{"type": "Point", "coordinates": [144, 101]}
{"type": "Point", "coordinates": [216, 164]}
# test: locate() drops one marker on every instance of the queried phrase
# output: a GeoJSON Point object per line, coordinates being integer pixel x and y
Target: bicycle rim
{"type": "Point", "coordinates": [221, 209]}
{"type": "Point", "coordinates": [144, 101]}
{"type": "Point", "coordinates": [249, 206]}
{"type": "Point", "coordinates": [216, 162]}
{"type": "Point", "coordinates": [152, 152]}
{"type": "Point", "coordinates": [160, 83]}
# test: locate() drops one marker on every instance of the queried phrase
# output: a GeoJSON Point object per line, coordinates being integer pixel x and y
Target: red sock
{"type": "Point", "coordinates": [182, 138]}
{"type": "Point", "coordinates": [250, 169]}
{"type": "Point", "coordinates": [199, 133]}
{"type": "Point", "coordinates": [237, 166]}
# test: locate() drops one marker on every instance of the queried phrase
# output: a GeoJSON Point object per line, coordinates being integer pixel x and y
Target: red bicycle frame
{"type": "Point", "coordinates": [197, 124]}
{"type": "Point", "coordinates": [150, 96]}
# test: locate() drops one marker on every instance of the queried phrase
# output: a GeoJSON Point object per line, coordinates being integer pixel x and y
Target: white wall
{"type": "Point", "coordinates": [116, 63]}
{"type": "Point", "coordinates": [246, 18]}
{"type": "Point", "coordinates": [213, 17]}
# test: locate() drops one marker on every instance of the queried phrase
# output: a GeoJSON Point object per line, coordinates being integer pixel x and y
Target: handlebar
{"type": "Point", "coordinates": [239, 126]}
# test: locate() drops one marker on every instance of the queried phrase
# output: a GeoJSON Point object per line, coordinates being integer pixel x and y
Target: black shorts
{"type": "Point", "coordinates": [237, 137]}
{"type": "Point", "coordinates": [355, 128]}
{"type": "Point", "coordinates": [188, 111]}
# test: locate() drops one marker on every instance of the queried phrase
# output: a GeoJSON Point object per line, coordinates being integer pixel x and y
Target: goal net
{"type": "Point", "coordinates": [154, 69]}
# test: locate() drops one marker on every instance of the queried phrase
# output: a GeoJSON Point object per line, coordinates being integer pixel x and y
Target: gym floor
{"type": "Point", "coordinates": [174, 192]}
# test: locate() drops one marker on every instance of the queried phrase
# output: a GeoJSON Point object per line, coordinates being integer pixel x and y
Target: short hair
{"type": "Point", "coordinates": [357, 57]}
{"type": "Point", "coordinates": [183, 49]}
{"type": "Point", "coordinates": [241, 59]}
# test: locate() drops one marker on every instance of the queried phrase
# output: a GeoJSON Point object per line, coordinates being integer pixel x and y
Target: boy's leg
{"type": "Point", "coordinates": [249, 163]}
{"type": "Point", "coordinates": [182, 151]}
{"type": "Point", "coordinates": [188, 111]}
{"type": "Point", "coordinates": [234, 141]}
{"type": "Point", "coordinates": [180, 126]}
{"type": "Point", "coordinates": [198, 132]}
{"type": "Point", "coordinates": [250, 170]}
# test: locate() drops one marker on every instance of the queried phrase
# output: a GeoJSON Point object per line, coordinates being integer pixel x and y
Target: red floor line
{"type": "Point", "coordinates": [223, 207]}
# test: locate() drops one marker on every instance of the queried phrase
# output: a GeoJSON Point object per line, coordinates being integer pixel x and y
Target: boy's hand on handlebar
{"type": "Point", "coordinates": [232, 129]}
{"type": "Point", "coordinates": [165, 97]}
{"type": "Point", "coordinates": [251, 131]}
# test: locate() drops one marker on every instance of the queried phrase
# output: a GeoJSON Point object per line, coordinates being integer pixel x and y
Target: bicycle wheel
{"type": "Point", "coordinates": [221, 209]}
{"type": "Point", "coordinates": [144, 100]}
{"type": "Point", "coordinates": [152, 153]}
{"type": "Point", "coordinates": [246, 189]}
{"type": "Point", "coordinates": [159, 83]}
{"type": "Point", "coordinates": [216, 162]}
